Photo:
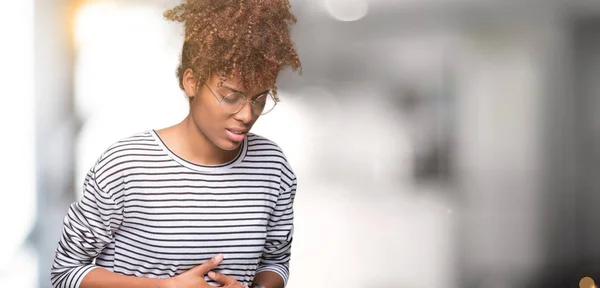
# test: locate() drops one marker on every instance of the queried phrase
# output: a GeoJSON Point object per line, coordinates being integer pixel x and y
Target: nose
{"type": "Point", "coordinates": [245, 115]}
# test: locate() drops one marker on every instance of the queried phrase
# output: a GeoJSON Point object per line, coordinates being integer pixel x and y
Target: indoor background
{"type": "Point", "coordinates": [437, 143]}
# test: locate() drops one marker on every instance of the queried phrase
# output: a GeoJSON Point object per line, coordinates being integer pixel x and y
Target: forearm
{"type": "Point", "coordinates": [269, 279]}
{"type": "Point", "coordinates": [102, 278]}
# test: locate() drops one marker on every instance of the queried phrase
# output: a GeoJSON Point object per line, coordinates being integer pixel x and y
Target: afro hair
{"type": "Point", "coordinates": [247, 40]}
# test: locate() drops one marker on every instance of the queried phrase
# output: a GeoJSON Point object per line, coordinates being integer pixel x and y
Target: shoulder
{"type": "Point", "coordinates": [261, 146]}
{"type": "Point", "coordinates": [264, 150]}
{"type": "Point", "coordinates": [137, 147]}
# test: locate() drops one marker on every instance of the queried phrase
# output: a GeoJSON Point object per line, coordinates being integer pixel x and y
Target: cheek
{"type": "Point", "coordinates": [208, 117]}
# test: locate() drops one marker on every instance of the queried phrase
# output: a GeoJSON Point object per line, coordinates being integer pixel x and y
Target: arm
{"type": "Point", "coordinates": [88, 228]}
{"type": "Point", "coordinates": [268, 279]}
{"type": "Point", "coordinates": [102, 278]}
{"type": "Point", "coordinates": [273, 270]}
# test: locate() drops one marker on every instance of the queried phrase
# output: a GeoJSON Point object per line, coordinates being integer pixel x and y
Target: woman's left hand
{"type": "Point", "coordinates": [225, 280]}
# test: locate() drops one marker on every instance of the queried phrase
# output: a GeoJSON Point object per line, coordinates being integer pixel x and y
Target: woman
{"type": "Point", "coordinates": [202, 203]}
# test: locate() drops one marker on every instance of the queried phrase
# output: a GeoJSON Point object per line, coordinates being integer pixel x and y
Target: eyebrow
{"type": "Point", "coordinates": [237, 91]}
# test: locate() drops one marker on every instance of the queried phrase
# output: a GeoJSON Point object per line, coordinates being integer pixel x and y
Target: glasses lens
{"type": "Point", "coordinates": [264, 104]}
{"type": "Point", "coordinates": [232, 103]}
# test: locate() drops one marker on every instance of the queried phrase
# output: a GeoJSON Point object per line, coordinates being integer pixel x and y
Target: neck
{"type": "Point", "coordinates": [198, 148]}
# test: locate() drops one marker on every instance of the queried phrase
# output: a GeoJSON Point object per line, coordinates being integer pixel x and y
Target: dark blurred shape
{"type": "Point", "coordinates": [571, 210]}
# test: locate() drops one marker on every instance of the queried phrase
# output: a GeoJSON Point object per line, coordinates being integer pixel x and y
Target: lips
{"type": "Point", "coordinates": [236, 135]}
{"type": "Point", "coordinates": [237, 131]}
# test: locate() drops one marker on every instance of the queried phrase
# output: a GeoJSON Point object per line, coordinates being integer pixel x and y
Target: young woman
{"type": "Point", "coordinates": [204, 202]}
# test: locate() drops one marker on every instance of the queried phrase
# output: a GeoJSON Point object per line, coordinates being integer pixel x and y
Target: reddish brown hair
{"type": "Point", "coordinates": [247, 40]}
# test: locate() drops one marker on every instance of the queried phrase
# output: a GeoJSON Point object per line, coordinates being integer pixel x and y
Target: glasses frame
{"type": "Point", "coordinates": [245, 100]}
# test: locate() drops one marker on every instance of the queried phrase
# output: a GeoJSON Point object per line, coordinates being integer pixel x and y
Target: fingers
{"type": "Point", "coordinates": [208, 265]}
{"type": "Point", "coordinates": [221, 278]}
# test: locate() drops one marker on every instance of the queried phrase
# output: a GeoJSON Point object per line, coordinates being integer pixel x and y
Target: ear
{"type": "Point", "coordinates": [190, 84]}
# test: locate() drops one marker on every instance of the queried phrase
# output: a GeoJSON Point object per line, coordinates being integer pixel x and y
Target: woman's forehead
{"type": "Point", "coordinates": [234, 84]}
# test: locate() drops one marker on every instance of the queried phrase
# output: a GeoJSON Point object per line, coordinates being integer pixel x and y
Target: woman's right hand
{"type": "Point", "coordinates": [193, 278]}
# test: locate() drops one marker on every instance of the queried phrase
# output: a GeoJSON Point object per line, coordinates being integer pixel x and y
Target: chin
{"type": "Point", "coordinates": [228, 145]}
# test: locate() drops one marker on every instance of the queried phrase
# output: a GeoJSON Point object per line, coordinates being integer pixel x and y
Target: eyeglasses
{"type": "Point", "coordinates": [234, 102]}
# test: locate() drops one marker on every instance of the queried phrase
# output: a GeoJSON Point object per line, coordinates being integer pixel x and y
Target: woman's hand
{"type": "Point", "coordinates": [194, 278]}
{"type": "Point", "coordinates": [225, 280]}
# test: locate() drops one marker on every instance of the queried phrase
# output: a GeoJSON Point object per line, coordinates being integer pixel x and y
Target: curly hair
{"type": "Point", "coordinates": [248, 40]}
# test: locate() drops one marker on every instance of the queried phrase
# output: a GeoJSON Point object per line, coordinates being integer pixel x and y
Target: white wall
{"type": "Point", "coordinates": [17, 123]}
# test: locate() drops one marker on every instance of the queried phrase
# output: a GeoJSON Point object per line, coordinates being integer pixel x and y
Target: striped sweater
{"type": "Point", "coordinates": [147, 212]}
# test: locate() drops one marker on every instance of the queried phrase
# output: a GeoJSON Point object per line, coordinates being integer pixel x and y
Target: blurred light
{"type": "Point", "coordinates": [587, 282]}
{"type": "Point", "coordinates": [117, 61]}
{"type": "Point", "coordinates": [347, 10]}
{"type": "Point", "coordinates": [17, 118]}
{"type": "Point", "coordinates": [91, 25]}
{"type": "Point", "coordinates": [324, 108]}
{"type": "Point", "coordinates": [290, 127]}
{"type": "Point", "coordinates": [126, 58]}
{"type": "Point", "coordinates": [20, 273]}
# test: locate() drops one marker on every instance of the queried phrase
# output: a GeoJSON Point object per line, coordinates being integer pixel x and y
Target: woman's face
{"type": "Point", "coordinates": [223, 127]}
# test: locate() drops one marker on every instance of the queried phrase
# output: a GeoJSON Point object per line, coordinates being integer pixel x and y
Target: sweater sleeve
{"type": "Point", "coordinates": [277, 251]}
{"type": "Point", "coordinates": [88, 228]}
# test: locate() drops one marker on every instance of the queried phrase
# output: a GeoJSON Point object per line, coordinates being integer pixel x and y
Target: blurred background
{"type": "Point", "coordinates": [437, 143]}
